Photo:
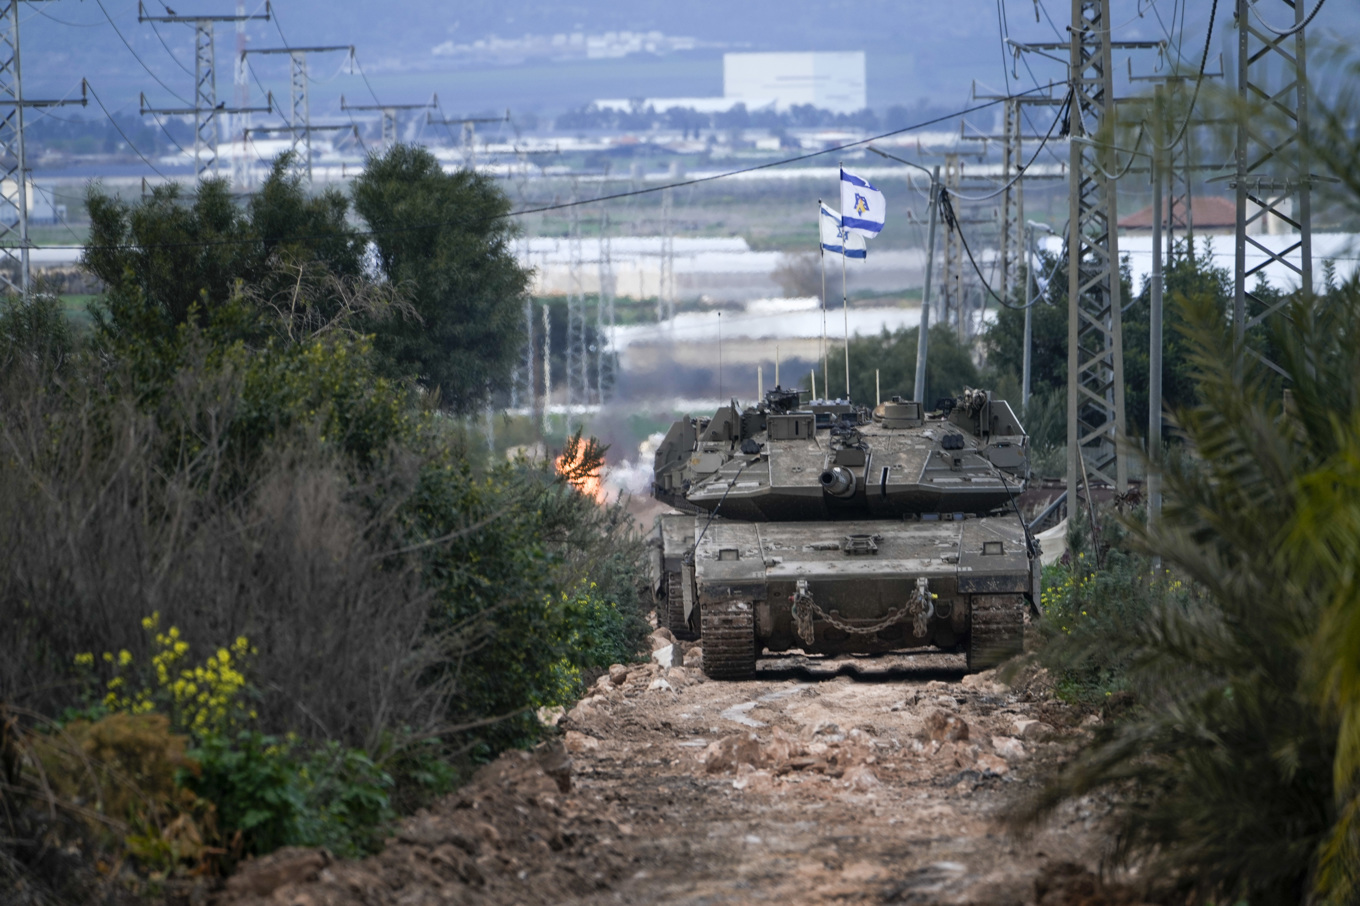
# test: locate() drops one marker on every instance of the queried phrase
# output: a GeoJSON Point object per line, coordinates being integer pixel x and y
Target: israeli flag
{"type": "Point", "coordinates": [862, 205]}
{"type": "Point", "coordinates": [836, 239]}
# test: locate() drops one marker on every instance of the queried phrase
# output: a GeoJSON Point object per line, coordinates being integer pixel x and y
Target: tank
{"type": "Point", "coordinates": [832, 528]}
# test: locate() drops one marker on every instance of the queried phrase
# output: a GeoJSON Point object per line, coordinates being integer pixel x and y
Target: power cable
{"type": "Point", "coordinates": [951, 221]}
{"type": "Point", "coordinates": [1016, 178]}
{"type": "Point", "coordinates": [44, 13]}
{"type": "Point", "coordinates": [187, 71]}
{"type": "Point", "coordinates": [1199, 79]}
{"type": "Point", "coordinates": [134, 53]}
{"type": "Point", "coordinates": [1284, 33]}
{"type": "Point", "coordinates": [110, 118]}
{"type": "Point", "coordinates": [648, 190]}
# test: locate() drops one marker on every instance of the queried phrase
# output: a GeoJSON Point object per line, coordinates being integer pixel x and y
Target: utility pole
{"type": "Point", "coordinates": [206, 108]}
{"type": "Point", "coordinates": [605, 371]}
{"type": "Point", "coordinates": [1013, 177]}
{"type": "Point", "coordinates": [299, 94]}
{"type": "Point", "coordinates": [1271, 164]}
{"type": "Point", "coordinates": [923, 331]}
{"type": "Point", "coordinates": [665, 302]}
{"type": "Point", "coordinates": [469, 131]}
{"type": "Point", "coordinates": [578, 382]}
{"type": "Point", "coordinates": [389, 115]}
{"type": "Point", "coordinates": [953, 250]}
{"type": "Point", "coordinates": [13, 156]}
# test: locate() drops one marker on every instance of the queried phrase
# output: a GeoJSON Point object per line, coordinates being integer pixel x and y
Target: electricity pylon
{"type": "Point", "coordinates": [300, 96]}
{"type": "Point", "coordinates": [389, 115]}
{"type": "Point", "coordinates": [13, 155]}
{"type": "Point", "coordinates": [1271, 161]}
{"type": "Point", "coordinates": [206, 108]}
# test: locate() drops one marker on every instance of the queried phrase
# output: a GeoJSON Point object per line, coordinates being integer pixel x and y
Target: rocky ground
{"type": "Point", "coordinates": [850, 780]}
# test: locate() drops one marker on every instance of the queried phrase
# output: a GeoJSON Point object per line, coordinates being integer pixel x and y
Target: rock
{"type": "Point", "coordinates": [944, 727]}
{"type": "Point", "coordinates": [992, 764]}
{"type": "Point", "coordinates": [551, 717]}
{"type": "Point", "coordinates": [664, 633]}
{"type": "Point", "coordinates": [828, 732]}
{"type": "Point", "coordinates": [579, 742]}
{"type": "Point", "coordinates": [603, 685]}
{"type": "Point", "coordinates": [583, 710]}
{"type": "Point", "coordinates": [556, 763]}
{"type": "Point", "coordinates": [960, 754]}
{"type": "Point", "coordinates": [290, 865]}
{"type": "Point", "coordinates": [1009, 748]}
{"type": "Point", "coordinates": [859, 777]}
{"type": "Point", "coordinates": [618, 674]}
{"type": "Point", "coordinates": [754, 781]}
{"type": "Point", "coordinates": [1032, 730]}
{"type": "Point", "coordinates": [912, 698]}
{"type": "Point", "coordinates": [694, 658]}
{"type": "Point", "coordinates": [664, 657]}
{"type": "Point", "coordinates": [984, 683]}
{"type": "Point", "coordinates": [678, 676]}
{"type": "Point", "coordinates": [730, 751]}
{"type": "Point", "coordinates": [660, 685]}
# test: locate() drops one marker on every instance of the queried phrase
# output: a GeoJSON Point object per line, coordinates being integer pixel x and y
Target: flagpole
{"type": "Point", "coordinates": [845, 310]}
{"type": "Point", "coordinates": [822, 251]}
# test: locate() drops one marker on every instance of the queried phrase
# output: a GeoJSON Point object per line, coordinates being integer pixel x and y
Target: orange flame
{"type": "Point", "coordinates": [592, 485]}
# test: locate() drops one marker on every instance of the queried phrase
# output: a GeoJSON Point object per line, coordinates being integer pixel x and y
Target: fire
{"type": "Point", "coordinates": [591, 483]}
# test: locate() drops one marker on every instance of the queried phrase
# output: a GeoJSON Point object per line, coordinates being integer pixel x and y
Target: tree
{"type": "Point", "coordinates": [167, 259]}
{"type": "Point", "coordinates": [446, 237]}
{"type": "Point", "coordinates": [949, 367]}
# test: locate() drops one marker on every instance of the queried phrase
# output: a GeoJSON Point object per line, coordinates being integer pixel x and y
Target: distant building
{"type": "Point", "coordinates": [829, 81]}
{"type": "Point", "coordinates": [832, 81]}
{"type": "Point", "coordinates": [1210, 215]}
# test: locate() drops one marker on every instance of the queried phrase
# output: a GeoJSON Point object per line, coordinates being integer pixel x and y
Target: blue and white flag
{"type": "Point", "coordinates": [862, 206]}
{"type": "Point", "coordinates": [836, 239]}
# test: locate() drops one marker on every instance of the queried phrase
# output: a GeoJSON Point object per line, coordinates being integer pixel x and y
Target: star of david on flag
{"type": "Point", "coordinates": [862, 206]}
{"type": "Point", "coordinates": [836, 239]}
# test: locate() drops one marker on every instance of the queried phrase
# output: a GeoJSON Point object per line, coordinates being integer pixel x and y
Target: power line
{"type": "Point", "coordinates": [110, 118]}
{"type": "Point", "coordinates": [1285, 33]}
{"type": "Point", "coordinates": [136, 56]}
{"type": "Point", "coordinates": [604, 198]}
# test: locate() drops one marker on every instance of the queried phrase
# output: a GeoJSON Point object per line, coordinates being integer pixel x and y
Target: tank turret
{"type": "Point", "coordinates": [830, 528]}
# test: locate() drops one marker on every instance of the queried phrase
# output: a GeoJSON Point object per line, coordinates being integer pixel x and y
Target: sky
{"type": "Point", "coordinates": [917, 51]}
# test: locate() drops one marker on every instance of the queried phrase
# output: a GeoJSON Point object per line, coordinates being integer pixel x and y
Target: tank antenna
{"type": "Point", "coordinates": [776, 364]}
{"type": "Point", "coordinates": [813, 374]}
{"type": "Point", "coordinates": [878, 393]}
{"type": "Point", "coordinates": [760, 382]}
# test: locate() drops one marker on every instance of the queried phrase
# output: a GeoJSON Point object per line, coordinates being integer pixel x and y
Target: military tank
{"type": "Point", "coordinates": [833, 528]}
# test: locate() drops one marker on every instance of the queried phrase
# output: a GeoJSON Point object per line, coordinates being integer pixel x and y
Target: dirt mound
{"type": "Point", "coordinates": [515, 834]}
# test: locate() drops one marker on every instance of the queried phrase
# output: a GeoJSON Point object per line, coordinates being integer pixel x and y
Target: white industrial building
{"type": "Point", "coordinates": [832, 81]}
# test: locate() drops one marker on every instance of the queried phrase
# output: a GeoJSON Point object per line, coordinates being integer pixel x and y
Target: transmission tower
{"type": "Point", "coordinates": [300, 95]}
{"type": "Point", "coordinates": [13, 156]}
{"type": "Point", "coordinates": [389, 115]}
{"type": "Point", "coordinates": [1095, 344]}
{"type": "Point", "coordinates": [1271, 168]}
{"type": "Point", "coordinates": [953, 250]}
{"type": "Point", "coordinates": [205, 109]}
{"type": "Point", "coordinates": [469, 131]}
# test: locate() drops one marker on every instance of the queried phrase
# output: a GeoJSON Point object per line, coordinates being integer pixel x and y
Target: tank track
{"type": "Point", "coordinates": [997, 631]}
{"type": "Point", "coordinates": [729, 640]}
{"type": "Point", "coordinates": [672, 612]}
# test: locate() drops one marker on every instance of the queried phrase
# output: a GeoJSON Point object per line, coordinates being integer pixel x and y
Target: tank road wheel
{"type": "Point", "coordinates": [673, 616]}
{"type": "Point", "coordinates": [729, 640]}
{"type": "Point", "coordinates": [997, 632]}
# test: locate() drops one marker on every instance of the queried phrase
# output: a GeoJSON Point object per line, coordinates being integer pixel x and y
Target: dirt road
{"type": "Point", "coordinates": [844, 781]}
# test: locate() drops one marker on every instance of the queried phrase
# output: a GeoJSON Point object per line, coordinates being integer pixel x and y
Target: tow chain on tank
{"type": "Point", "coordinates": [920, 607]}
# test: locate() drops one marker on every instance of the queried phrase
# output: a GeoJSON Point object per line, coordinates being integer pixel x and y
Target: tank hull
{"type": "Point", "coordinates": [832, 587]}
